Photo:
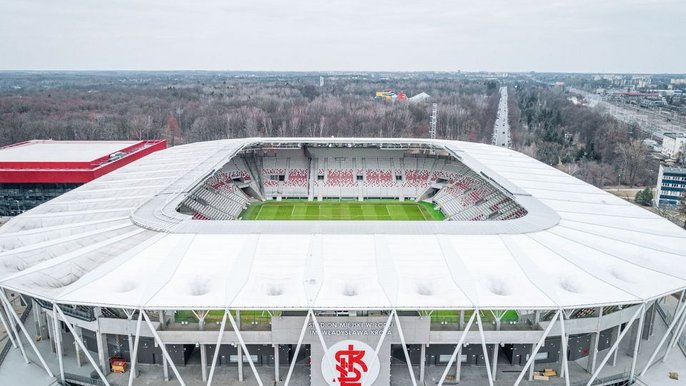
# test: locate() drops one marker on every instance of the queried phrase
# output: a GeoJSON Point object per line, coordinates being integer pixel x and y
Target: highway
{"type": "Point", "coordinates": [501, 129]}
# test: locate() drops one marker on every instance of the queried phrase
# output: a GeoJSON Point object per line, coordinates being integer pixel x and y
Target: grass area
{"type": "Point", "coordinates": [247, 317]}
{"type": "Point", "coordinates": [342, 210]}
{"type": "Point", "coordinates": [263, 317]}
{"type": "Point", "coordinates": [486, 316]}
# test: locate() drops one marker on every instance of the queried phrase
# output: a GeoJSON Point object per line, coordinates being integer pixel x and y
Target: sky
{"type": "Point", "coordinates": [633, 36]}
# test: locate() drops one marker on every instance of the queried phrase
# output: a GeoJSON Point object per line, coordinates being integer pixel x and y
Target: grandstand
{"type": "Point", "coordinates": [344, 172]}
{"type": "Point", "coordinates": [516, 270]}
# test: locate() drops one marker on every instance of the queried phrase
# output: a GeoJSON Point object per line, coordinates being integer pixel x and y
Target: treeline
{"type": "Point", "coordinates": [188, 108]}
{"type": "Point", "coordinates": [581, 141]}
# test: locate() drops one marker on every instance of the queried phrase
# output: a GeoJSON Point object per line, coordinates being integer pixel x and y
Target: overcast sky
{"type": "Point", "coordinates": [387, 35]}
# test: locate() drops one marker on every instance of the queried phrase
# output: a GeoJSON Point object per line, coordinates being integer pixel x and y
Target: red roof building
{"type": "Point", "coordinates": [33, 172]}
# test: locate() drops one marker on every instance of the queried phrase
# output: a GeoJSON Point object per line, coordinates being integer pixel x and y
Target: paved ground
{"type": "Point", "coordinates": [501, 129]}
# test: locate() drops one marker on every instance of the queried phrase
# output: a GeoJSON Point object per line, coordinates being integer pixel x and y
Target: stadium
{"type": "Point", "coordinates": [341, 261]}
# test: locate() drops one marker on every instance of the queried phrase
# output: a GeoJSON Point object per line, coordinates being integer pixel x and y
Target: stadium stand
{"type": "Point", "coordinates": [360, 173]}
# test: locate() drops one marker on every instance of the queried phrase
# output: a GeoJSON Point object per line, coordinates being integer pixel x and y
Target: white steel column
{"type": "Point", "coordinates": [216, 348]}
{"type": "Point", "coordinates": [615, 335]}
{"type": "Point", "coordinates": [276, 363]}
{"type": "Point", "coordinates": [681, 299]}
{"type": "Point", "coordinates": [483, 347]}
{"type": "Point", "coordinates": [201, 315]}
{"type": "Point", "coordinates": [163, 347]}
{"type": "Point", "coordinates": [58, 341]}
{"type": "Point", "coordinates": [129, 315]}
{"type": "Point", "coordinates": [51, 333]}
{"type": "Point", "coordinates": [26, 334]}
{"type": "Point", "coordinates": [458, 364]}
{"type": "Point", "coordinates": [614, 346]}
{"type": "Point", "coordinates": [677, 316]}
{"type": "Point", "coordinates": [379, 343]}
{"type": "Point", "coordinates": [457, 350]}
{"type": "Point", "coordinates": [422, 362]}
{"type": "Point", "coordinates": [593, 353]}
{"type": "Point", "coordinates": [101, 341]}
{"type": "Point", "coordinates": [77, 350]}
{"type": "Point", "coordinates": [639, 334]}
{"type": "Point", "coordinates": [297, 348]}
{"type": "Point", "coordinates": [322, 342]}
{"type": "Point", "coordinates": [675, 337]}
{"type": "Point", "coordinates": [564, 371]}
{"type": "Point", "coordinates": [7, 328]}
{"type": "Point", "coordinates": [496, 346]}
{"type": "Point", "coordinates": [402, 341]}
{"type": "Point", "coordinates": [83, 347]}
{"type": "Point", "coordinates": [239, 349]}
{"type": "Point", "coordinates": [245, 348]}
{"type": "Point", "coordinates": [134, 351]}
{"type": "Point", "coordinates": [13, 330]}
{"type": "Point", "coordinates": [532, 357]}
{"type": "Point", "coordinates": [165, 362]}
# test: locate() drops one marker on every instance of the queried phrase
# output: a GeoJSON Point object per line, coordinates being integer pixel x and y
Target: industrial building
{"type": "Point", "coordinates": [34, 172]}
{"type": "Point", "coordinates": [671, 185]}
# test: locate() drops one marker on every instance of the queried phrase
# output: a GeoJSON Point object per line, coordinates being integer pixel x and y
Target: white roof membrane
{"type": "Point", "coordinates": [118, 241]}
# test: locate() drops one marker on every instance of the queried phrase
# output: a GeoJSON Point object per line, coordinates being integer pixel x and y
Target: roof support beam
{"type": "Point", "coordinates": [216, 348]}
{"type": "Point", "coordinates": [379, 343]}
{"type": "Point", "coordinates": [616, 344]}
{"type": "Point", "coordinates": [245, 348]}
{"type": "Point", "coordinates": [675, 337]}
{"type": "Point", "coordinates": [407, 354]}
{"type": "Point", "coordinates": [80, 343]}
{"type": "Point", "coordinates": [457, 349]}
{"type": "Point", "coordinates": [677, 317]}
{"type": "Point", "coordinates": [323, 343]}
{"type": "Point", "coordinates": [532, 358]}
{"type": "Point", "coordinates": [10, 310]}
{"type": "Point", "coordinates": [639, 333]}
{"type": "Point", "coordinates": [7, 328]}
{"type": "Point", "coordinates": [134, 350]}
{"type": "Point", "coordinates": [479, 324]}
{"type": "Point", "coordinates": [58, 341]}
{"type": "Point", "coordinates": [297, 348]}
{"type": "Point", "coordinates": [165, 353]}
{"type": "Point", "coordinates": [564, 338]}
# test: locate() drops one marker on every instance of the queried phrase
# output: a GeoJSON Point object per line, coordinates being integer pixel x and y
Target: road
{"type": "Point", "coordinates": [501, 129]}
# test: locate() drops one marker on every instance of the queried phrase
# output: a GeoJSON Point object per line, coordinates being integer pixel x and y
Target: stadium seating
{"type": "Point", "coordinates": [459, 192]}
{"type": "Point", "coordinates": [217, 198]}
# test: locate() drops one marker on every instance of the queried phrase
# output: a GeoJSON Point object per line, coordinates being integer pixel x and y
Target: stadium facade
{"type": "Point", "coordinates": [530, 264]}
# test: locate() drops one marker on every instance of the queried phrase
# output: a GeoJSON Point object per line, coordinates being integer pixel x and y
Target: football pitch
{"type": "Point", "coordinates": [342, 210]}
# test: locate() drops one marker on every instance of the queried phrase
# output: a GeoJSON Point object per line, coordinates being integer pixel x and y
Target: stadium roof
{"type": "Point", "coordinates": [117, 241]}
{"type": "Point", "coordinates": [48, 161]}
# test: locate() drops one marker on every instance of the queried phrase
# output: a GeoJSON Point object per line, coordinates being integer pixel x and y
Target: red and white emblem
{"type": "Point", "coordinates": [350, 363]}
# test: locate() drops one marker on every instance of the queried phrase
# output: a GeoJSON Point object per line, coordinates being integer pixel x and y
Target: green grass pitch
{"type": "Point", "coordinates": [342, 210]}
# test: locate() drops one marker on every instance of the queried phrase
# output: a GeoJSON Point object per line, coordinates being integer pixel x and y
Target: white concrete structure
{"type": "Point", "coordinates": [674, 144]}
{"type": "Point", "coordinates": [119, 242]}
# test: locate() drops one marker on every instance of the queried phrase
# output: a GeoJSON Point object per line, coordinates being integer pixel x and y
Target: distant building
{"type": "Point", "coordinates": [671, 184]}
{"type": "Point", "coordinates": [34, 172]}
{"type": "Point", "coordinates": [673, 144]}
{"type": "Point", "coordinates": [421, 97]}
{"type": "Point", "coordinates": [391, 95]}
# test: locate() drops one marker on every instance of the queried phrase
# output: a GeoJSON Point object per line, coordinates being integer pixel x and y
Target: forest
{"type": "Point", "coordinates": [185, 107]}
